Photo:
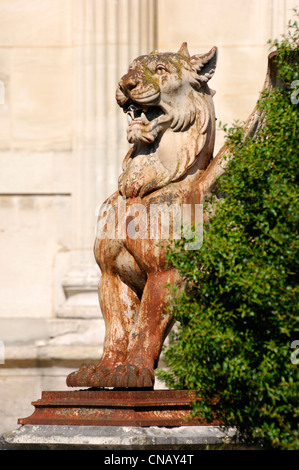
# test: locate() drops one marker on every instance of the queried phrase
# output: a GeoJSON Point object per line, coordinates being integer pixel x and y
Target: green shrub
{"type": "Point", "coordinates": [238, 316]}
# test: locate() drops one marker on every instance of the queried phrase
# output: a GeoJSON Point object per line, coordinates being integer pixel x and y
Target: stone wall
{"type": "Point", "coordinates": [62, 141]}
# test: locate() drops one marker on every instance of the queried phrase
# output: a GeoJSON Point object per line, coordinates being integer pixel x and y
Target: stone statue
{"type": "Point", "coordinates": [171, 126]}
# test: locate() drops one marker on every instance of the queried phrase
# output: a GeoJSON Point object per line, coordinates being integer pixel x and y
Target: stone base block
{"type": "Point", "coordinates": [122, 438]}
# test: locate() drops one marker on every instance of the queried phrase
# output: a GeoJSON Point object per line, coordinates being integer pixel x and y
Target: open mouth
{"type": "Point", "coordinates": [140, 113]}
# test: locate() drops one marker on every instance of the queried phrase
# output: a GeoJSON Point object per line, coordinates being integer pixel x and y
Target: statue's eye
{"type": "Point", "coordinates": [160, 69]}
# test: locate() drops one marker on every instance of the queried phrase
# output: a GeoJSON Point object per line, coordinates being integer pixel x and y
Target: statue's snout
{"type": "Point", "coordinates": [130, 81]}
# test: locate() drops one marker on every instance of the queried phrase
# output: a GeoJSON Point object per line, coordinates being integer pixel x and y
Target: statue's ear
{"type": "Point", "coordinates": [204, 64]}
{"type": "Point", "coordinates": [183, 50]}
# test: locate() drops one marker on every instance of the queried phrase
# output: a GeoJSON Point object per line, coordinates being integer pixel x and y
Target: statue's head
{"type": "Point", "coordinates": [159, 91]}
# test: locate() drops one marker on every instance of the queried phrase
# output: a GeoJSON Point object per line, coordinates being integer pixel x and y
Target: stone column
{"type": "Point", "coordinates": [108, 35]}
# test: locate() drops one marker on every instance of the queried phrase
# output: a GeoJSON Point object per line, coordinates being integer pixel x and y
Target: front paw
{"type": "Point", "coordinates": [133, 188]}
{"type": "Point", "coordinates": [130, 187]}
{"type": "Point", "coordinates": [139, 132]}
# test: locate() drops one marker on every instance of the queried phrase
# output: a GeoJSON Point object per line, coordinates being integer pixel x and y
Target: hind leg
{"type": "Point", "coordinates": [120, 305]}
{"type": "Point", "coordinates": [148, 333]}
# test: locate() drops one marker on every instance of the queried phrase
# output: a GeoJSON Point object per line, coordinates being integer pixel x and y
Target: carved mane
{"type": "Point", "coordinates": [174, 136]}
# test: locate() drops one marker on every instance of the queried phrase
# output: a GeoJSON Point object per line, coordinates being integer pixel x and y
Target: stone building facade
{"type": "Point", "coordinates": [62, 141]}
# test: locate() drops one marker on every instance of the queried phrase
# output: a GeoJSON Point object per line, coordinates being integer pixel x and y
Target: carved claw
{"type": "Point", "coordinates": [99, 377]}
{"type": "Point", "coordinates": [130, 188]}
{"type": "Point", "coordinates": [124, 376]}
{"type": "Point", "coordinates": [139, 132]}
{"type": "Point", "coordinates": [145, 379]}
{"type": "Point", "coordinates": [129, 376]}
{"type": "Point", "coordinates": [79, 378]}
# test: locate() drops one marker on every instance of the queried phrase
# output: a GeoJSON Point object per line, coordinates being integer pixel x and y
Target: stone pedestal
{"type": "Point", "coordinates": [118, 438]}
{"type": "Point", "coordinates": [120, 420]}
{"type": "Point", "coordinates": [142, 408]}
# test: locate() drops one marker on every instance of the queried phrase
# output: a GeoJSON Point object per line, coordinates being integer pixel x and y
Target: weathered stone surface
{"type": "Point", "coordinates": [48, 341]}
{"type": "Point", "coordinates": [171, 124]}
{"type": "Point", "coordinates": [53, 177]}
{"type": "Point", "coordinates": [41, 99]}
{"type": "Point", "coordinates": [117, 438]}
{"type": "Point", "coordinates": [26, 24]}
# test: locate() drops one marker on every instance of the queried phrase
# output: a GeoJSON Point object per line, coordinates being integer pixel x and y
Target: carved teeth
{"type": "Point", "coordinates": [144, 115]}
{"type": "Point", "coordinates": [136, 113]}
{"type": "Point", "coordinates": [144, 119]}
